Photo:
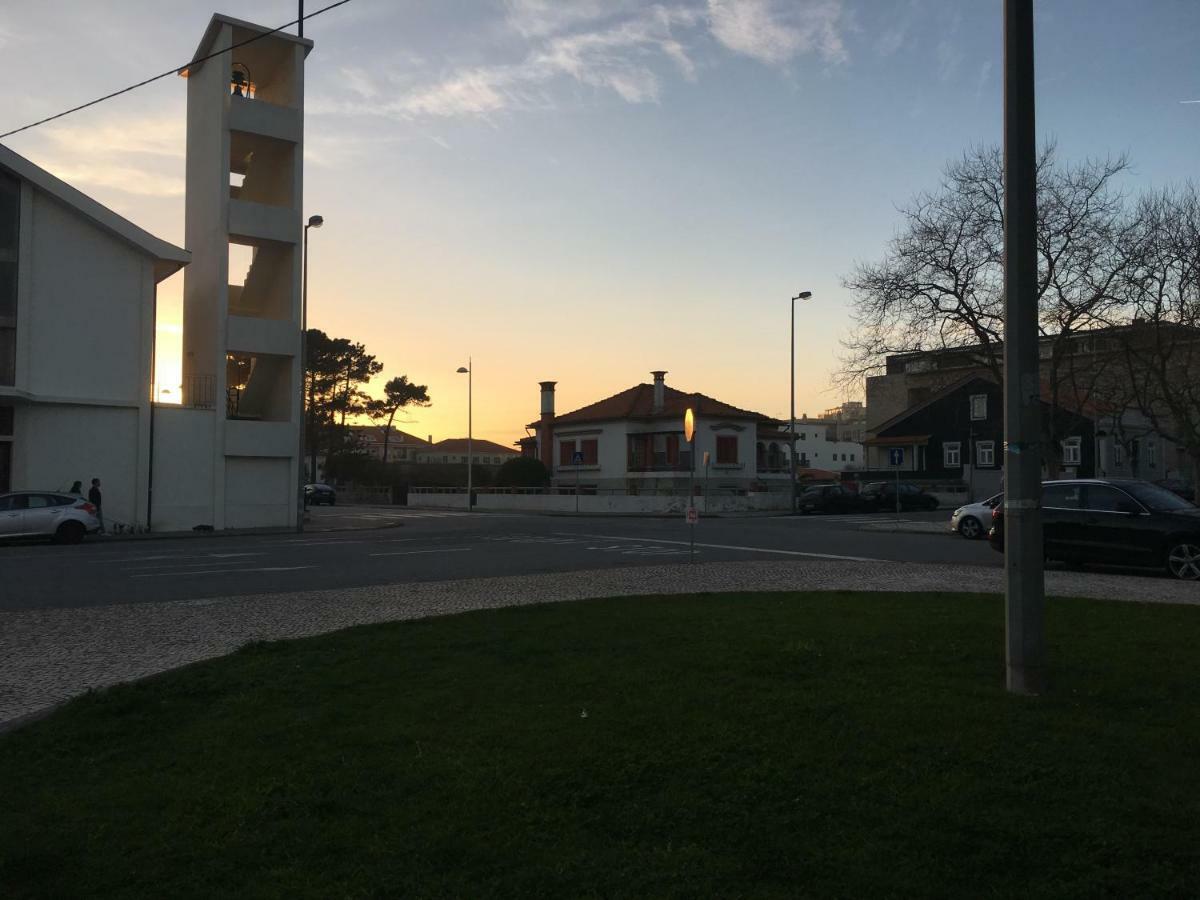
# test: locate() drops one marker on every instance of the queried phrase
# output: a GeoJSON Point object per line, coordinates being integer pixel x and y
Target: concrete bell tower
{"type": "Point", "coordinates": [241, 294]}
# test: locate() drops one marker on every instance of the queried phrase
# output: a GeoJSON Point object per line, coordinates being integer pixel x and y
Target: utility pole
{"type": "Point", "coordinates": [300, 23]}
{"type": "Point", "coordinates": [1024, 556]}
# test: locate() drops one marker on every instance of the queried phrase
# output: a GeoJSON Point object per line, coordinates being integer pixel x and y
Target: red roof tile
{"type": "Point", "coordinates": [638, 403]}
{"type": "Point", "coordinates": [478, 446]}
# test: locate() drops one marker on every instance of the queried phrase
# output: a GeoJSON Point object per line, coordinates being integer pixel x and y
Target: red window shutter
{"type": "Point", "coordinates": [726, 450]}
{"type": "Point", "coordinates": [672, 450]}
{"type": "Point", "coordinates": [591, 451]}
{"type": "Point", "coordinates": [566, 452]}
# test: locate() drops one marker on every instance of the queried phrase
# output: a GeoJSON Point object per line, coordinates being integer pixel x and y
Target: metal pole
{"type": "Point", "coordinates": [300, 23]}
{"type": "Point", "coordinates": [303, 399]}
{"type": "Point", "coordinates": [692, 501]}
{"type": "Point", "coordinates": [792, 433]}
{"type": "Point", "coordinates": [470, 427]}
{"type": "Point", "coordinates": [1023, 554]}
{"type": "Point", "coordinates": [897, 493]}
{"type": "Point", "coordinates": [577, 489]}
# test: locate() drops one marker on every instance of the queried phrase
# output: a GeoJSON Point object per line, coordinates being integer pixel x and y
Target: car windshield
{"type": "Point", "coordinates": [1157, 498]}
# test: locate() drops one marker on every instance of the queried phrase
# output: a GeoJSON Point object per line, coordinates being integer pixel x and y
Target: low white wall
{"type": "Point", "coordinates": [644, 504]}
{"type": "Point", "coordinates": [183, 468]}
{"type": "Point", "coordinates": [259, 492]}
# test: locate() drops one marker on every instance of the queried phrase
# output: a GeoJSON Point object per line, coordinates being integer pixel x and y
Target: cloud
{"type": "Point", "coordinates": [775, 33]}
{"type": "Point", "coordinates": [542, 18]}
{"type": "Point", "coordinates": [126, 179]}
{"type": "Point", "coordinates": [163, 136]}
{"type": "Point", "coordinates": [950, 54]}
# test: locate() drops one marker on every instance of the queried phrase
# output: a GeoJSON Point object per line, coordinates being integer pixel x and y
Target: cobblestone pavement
{"type": "Point", "coordinates": [50, 655]}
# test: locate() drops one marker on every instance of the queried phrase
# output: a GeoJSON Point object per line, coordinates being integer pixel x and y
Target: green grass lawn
{"type": "Point", "coordinates": [759, 745]}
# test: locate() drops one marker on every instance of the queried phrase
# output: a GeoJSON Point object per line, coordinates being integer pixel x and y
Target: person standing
{"type": "Point", "coordinates": [76, 489]}
{"type": "Point", "coordinates": [97, 500]}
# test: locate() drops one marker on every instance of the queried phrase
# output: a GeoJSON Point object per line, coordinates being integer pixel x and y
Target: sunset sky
{"type": "Point", "coordinates": [586, 191]}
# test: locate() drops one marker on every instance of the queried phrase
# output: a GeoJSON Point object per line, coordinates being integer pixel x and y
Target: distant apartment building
{"type": "Point", "coordinates": [850, 419]}
{"type": "Point", "coordinates": [820, 444]}
{"type": "Point", "coordinates": [455, 451]}
{"type": "Point", "coordinates": [394, 445]}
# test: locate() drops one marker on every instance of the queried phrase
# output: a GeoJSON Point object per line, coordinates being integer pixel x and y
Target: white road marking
{"type": "Point", "coordinates": [223, 571]}
{"type": "Point", "coordinates": [611, 537]}
{"type": "Point", "coordinates": [178, 558]}
{"type": "Point", "coordinates": [414, 552]}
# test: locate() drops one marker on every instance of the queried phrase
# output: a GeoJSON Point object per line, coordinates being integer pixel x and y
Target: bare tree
{"type": "Point", "coordinates": [940, 285]}
{"type": "Point", "coordinates": [1162, 347]}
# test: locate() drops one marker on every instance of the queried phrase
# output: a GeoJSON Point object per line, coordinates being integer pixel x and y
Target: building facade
{"type": "Point", "coordinates": [633, 442]}
{"type": "Point", "coordinates": [232, 447]}
{"type": "Point", "coordinates": [455, 451]}
{"type": "Point", "coordinates": [78, 285]}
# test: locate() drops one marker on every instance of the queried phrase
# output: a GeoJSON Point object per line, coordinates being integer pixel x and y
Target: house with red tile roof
{"type": "Point", "coordinates": [454, 450]}
{"type": "Point", "coordinates": [633, 442]}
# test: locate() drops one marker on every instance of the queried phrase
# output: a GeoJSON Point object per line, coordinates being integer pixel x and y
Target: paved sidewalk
{"type": "Point", "coordinates": [50, 655]}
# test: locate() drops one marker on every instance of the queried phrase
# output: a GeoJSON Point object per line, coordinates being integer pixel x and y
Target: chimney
{"type": "Point", "coordinates": [431, 439]}
{"type": "Point", "coordinates": [660, 391]}
{"type": "Point", "coordinates": [546, 429]}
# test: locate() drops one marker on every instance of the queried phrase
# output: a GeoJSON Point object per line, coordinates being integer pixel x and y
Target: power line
{"type": "Point", "coordinates": [175, 71]}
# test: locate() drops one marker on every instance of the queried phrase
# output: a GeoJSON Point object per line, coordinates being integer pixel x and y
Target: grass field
{"type": "Point", "coordinates": [760, 745]}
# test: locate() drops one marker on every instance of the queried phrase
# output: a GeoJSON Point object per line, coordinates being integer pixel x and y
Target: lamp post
{"type": "Point", "coordinates": [803, 295]}
{"type": "Point", "coordinates": [313, 222]}
{"type": "Point", "coordinates": [468, 370]}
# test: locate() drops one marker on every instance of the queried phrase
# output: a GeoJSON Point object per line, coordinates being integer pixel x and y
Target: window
{"type": "Point", "coordinates": [727, 450]}
{"type": "Point", "coordinates": [6, 421]}
{"type": "Point", "coordinates": [1118, 454]}
{"type": "Point", "coordinates": [10, 212]}
{"type": "Point", "coordinates": [1102, 498]}
{"type": "Point", "coordinates": [952, 454]}
{"type": "Point", "coordinates": [985, 453]}
{"type": "Point", "coordinates": [5, 466]}
{"type": "Point", "coordinates": [978, 407]}
{"type": "Point", "coordinates": [496, 460]}
{"type": "Point", "coordinates": [591, 451]}
{"type": "Point", "coordinates": [566, 453]}
{"type": "Point", "coordinates": [1072, 451]}
{"type": "Point", "coordinates": [1062, 496]}
{"type": "Point", "coordinates": [851, 457]}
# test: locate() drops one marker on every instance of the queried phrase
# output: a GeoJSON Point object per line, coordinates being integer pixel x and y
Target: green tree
{"type": "Point", "coordinates": [336, 371]}
{"type": "Point", "coordinates": [398, 393]}
{"type": "Point", "coordinates": [523, 472]}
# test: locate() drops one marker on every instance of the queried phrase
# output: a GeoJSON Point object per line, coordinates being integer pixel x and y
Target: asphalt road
{"type": "Point", "coordinates": [390, 545]}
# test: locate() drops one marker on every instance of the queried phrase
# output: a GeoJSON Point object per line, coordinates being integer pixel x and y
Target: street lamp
{"type": "Point", "coordinates": [803, 295]}
{"type": "Point", "coordinates": [313, 222]}
{"type": "Point", "coordinates": [468, 370]}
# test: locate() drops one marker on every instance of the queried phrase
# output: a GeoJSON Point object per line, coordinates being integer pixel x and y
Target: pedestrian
{"type": "Point", "coordinates": [97, 500]}
{"type": "Point", "coordinates": [76, 489]}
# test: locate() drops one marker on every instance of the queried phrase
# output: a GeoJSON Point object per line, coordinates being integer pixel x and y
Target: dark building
{"type": "Point", "coordinates": [958, 434]}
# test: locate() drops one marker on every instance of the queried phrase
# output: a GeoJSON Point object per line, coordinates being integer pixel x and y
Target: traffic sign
{"type": "Point", "coordinates": [896, 456]}
{"type": "Point", "coordinates": [693, 515]}
{"type": "Point", "coordinates": [577, 458]}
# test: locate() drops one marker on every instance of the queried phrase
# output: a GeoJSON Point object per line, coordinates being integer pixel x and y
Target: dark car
{"type": "Point", "coordinates": [1180, 487]}
{"type": "Point", "coordinates": [882, 495]}
{"type": "Point", "coordinates": [1123, 522]}
{"type": "Point", "coordinates": [831, 498]}
{"type": "Point", "coordinates": [316, 494]}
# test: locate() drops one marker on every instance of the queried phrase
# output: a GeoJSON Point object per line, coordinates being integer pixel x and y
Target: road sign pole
{"type": "Point", "coordinates": [897, 493]}
{"type": "Point", "coordinates": [1023, 551]}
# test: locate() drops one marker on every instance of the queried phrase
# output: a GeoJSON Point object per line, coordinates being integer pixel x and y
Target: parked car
{"type": "Point", "coordinates": [882, 495]}
{"type": "Point", "coordinates": [1128, 522]}
{"type": "Point", "coordinates": [1180, 487]}
{"type": "Point", "coordinates": [316, 494]}
{"type": "Point", "coordinates": [66, 518]}
{"type": "Point", "coordinates": [832, 498]}
{"type": "Point", "coordinates": [973, 520]}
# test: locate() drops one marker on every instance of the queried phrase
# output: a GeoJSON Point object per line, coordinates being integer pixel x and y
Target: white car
{"type": "Point", "coordinates": [64, 517]}
{"type": "Point", "coordinates": [973, 520]}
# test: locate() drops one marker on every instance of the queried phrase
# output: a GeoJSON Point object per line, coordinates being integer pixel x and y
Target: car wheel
{"type": "Point", "coordinates": [970, 528]}
{"type": "Point", "coordinates": [69, 533]}
{"type": "Point", "coordinates": [1183, 560]}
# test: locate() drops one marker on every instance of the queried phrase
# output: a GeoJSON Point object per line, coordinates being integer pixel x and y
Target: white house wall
{"type": "Point", "coordinates": [183, 468]}
{"type": "Point", "coordinates": [56, 444]}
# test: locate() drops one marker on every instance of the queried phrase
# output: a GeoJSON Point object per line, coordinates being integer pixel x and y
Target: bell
{"type": "Point", "coordinates": [239, 81]}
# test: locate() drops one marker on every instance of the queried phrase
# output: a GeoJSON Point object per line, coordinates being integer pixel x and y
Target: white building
{"type": "Point", "coordinates": [454, 450]}
{"type": "Point", "coordinates": [230, 451]}
{"type": "Point", "coordinates": [633, 442]}
{"type": "Point", "coordinates": [77, 307]}
{"type": "Point", "coordinates": [77, 313]}
{"type": "Point", "coordinates": [819, 445]}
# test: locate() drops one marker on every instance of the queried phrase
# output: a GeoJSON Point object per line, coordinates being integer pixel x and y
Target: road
{"type": "Point", "coordinates": [395, 545]}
